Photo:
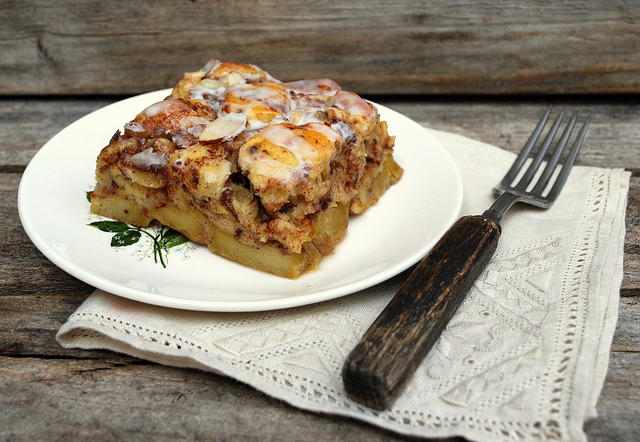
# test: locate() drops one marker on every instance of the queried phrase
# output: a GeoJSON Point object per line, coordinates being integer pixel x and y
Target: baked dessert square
{"type": "Point", "coordinates": [263, 172]}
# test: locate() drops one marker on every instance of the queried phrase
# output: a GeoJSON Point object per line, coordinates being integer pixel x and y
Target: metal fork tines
{"type": "Point", "coordinates": [526, 181]}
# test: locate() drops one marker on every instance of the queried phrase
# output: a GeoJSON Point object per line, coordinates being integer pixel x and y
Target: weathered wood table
{"type": "Point", "coordinates": [49, 392]}
{"type": "Point", "coordinates": [61, 60]}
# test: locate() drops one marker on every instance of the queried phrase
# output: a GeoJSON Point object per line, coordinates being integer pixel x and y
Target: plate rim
{"type": "Point", "coordinates": [107, 285]}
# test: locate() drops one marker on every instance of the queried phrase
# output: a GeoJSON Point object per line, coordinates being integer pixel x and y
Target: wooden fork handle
{"type": "Point", "coordinates": [398, 340]}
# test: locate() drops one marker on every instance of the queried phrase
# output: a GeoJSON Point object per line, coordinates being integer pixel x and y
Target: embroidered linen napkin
{"type": "Point", "coordinates": [524, 358]}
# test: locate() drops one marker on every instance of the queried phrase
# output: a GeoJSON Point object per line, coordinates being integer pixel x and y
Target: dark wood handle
{"type": "Point", "coordinates": [398, 340]}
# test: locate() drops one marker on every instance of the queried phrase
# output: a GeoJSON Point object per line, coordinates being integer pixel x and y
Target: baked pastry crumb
{"type": "Point", "coordinates": [263, 172]}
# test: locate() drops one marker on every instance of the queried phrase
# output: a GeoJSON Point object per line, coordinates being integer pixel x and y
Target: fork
{"type": "Point", "coordinates": [381, 364]}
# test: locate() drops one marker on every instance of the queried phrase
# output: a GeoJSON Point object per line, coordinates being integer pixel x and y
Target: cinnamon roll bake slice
{"type": "Point", "coordinates": [262, 172]}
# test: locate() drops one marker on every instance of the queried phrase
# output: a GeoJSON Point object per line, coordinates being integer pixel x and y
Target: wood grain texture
{"type": "Point", "coordinates": [56, 393]}
{"type": "Point", "coordinates": [382, 46]}
{"type": "Point", "coordinates": [26, 124]}
{"type": "Point", "coordinates": [23, 269]}
{"type": "Point", "coordinates": [133, 400]}
{"type": "Point", "coordinates": [69, 395]}
{"type": "Point", "coordinates": [615, 421]}
{"type": "Point", "coordinates": [29, 323]}
{"type": "Point", "coordinates": [386, 357]}
{"type": "Point", "coordinates": [92, 400]}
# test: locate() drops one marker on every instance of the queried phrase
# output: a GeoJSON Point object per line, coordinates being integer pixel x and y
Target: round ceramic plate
{"type": "Point", "coordinates": [387, 239]}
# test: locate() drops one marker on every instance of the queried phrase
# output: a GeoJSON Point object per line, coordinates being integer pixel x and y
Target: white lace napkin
{"type": "Point", "coordinates": [524, 358]}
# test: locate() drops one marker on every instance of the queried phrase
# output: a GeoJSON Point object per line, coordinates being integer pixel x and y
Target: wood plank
{"type": "Point", "coordinates": [631, 267]}
{"type": "Point", "coordinates": [398, 46]}
{"type": "Point", "coordinates": [71, 399]}
{"type": "Point", "coordinates": [23, 269]}
{"type": "Point", "coordinates": [33, 365]}
{"type": "Point", "coordinates": [28, 325]}
{"type": "Point", "coordinates": [627, 335]}
{"type": "Point", "coordinates": [133, 400]}
{"type": "Point", "coordinates": [26, 124]}
{"type": "Point", "coordinates": [618, 404]}
{"type": "Point", "coordinates": [37, 367]}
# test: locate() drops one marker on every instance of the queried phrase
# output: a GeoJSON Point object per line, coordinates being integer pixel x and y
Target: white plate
{"type": "Point", "coordinates": [387, 239]}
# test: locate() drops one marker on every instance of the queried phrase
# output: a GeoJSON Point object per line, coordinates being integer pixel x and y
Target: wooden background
{"type": "Point", "coordinates": [484, 69]}
{"type": "Point", "coordinates": [373, 47]}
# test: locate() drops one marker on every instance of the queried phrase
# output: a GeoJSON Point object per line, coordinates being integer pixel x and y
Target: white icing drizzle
{"type": "Point", "coordinates": [284, 137]}
{"type": "Point", "coordinates": [318, 86]}
{"type": "Point", "coordinates": [181, 140]}
{"type": "Point", "coordinates": [304, 115]}
{"type": "Point", "coordinates": [261, 163]}
{"type": "Point", "coordinates": [279, 119]}
{"type": "Point", "coordinates": [251, 77]}
{"type": "Point", "coordinates": [210, 66]}
{"type": "Point", "coordinates": [160, 107]}
{"type": "Point", "coordinates": [255, 124]}
{"type": "Point", "coordinates": [202, 92]}
{"type": "Point", "coordinates": [225, 127]}
{"type": "Point", "coordinates": [272, 97]}
{"type": "Point", "coordinates": [189, 127]}
{"type": "Point", "coordinates": [354, 105]}
{"type": "Point", "coordinates": [193, 125]}
{"type": "Point", "coordinates": [134, 126]}
{"type": "Point", "coordinates": [344, 130]}
{"type": "Point", "coordinates": [148, 158]}
{"type": "Point", "coordinates": [301, 103]}
{"type": "Point", "coordinates": [234, 78]}
{"type": "Point", "coordinates": [312, 93]}
{"type": "Point", "coordinates": [332, 135]}
{"type": "Point", "coordinates": [219, 173]}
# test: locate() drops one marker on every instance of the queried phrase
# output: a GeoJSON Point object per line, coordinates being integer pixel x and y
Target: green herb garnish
{"type": "Point", "coordinates": [162, 238]}
{"type": "Point", "coordinates": [125, 238]}
{"type": "Point", "coordinates": [111, 226]}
